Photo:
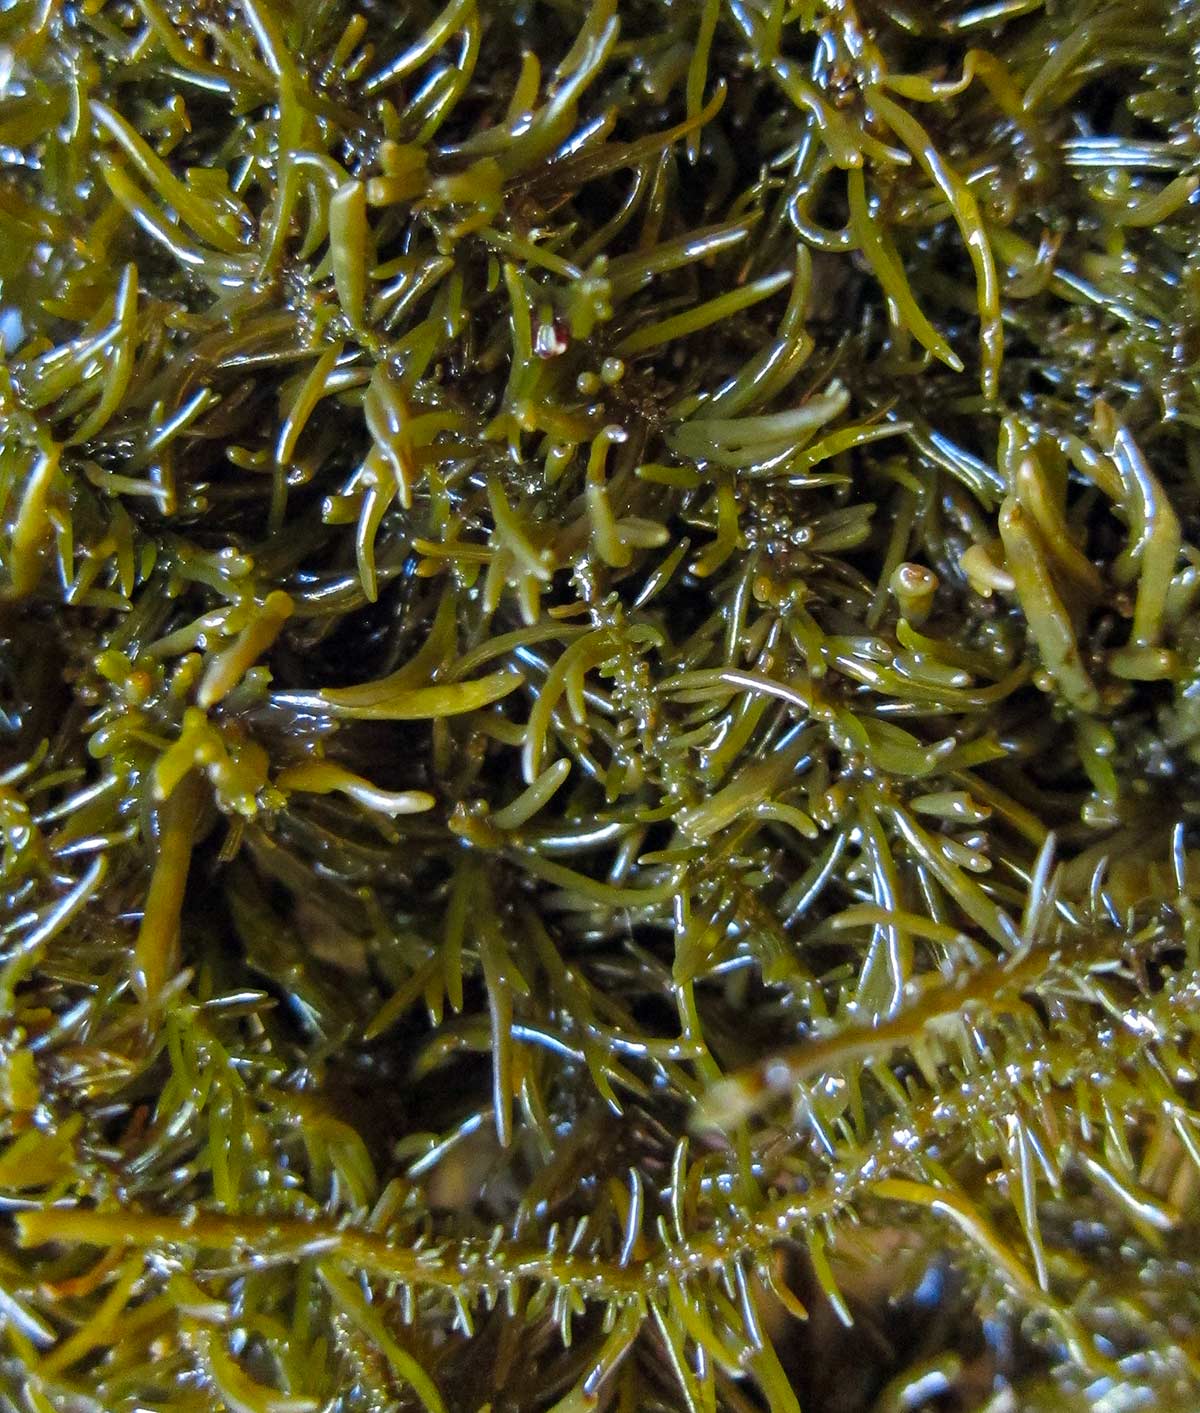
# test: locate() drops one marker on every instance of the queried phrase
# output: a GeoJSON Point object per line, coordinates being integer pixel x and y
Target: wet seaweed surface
{"type": "Point", "coordinates": [599, 705]}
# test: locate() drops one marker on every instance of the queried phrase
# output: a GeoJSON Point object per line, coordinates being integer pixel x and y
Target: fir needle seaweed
{"type": "Point", "coordinates": [599, 706]}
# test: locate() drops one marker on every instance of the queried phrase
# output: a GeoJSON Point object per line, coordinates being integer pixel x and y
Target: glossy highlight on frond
{"type": "Point", "coordinates": [599, 706]}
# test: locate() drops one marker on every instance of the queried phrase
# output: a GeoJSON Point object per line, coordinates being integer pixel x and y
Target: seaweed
{"type": "Point", "coordinates": [598, 705]}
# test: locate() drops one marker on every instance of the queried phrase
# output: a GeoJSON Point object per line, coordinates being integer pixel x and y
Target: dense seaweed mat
{"type": "Point", "coordinates": [600, 694]}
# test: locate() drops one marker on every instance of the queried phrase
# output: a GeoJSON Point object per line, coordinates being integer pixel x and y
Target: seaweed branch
{"type": "Point", "coordinates": [599, 706]}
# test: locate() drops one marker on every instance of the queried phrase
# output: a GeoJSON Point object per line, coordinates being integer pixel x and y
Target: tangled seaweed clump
{"type": "Point", "coordinates": [600, 686]}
